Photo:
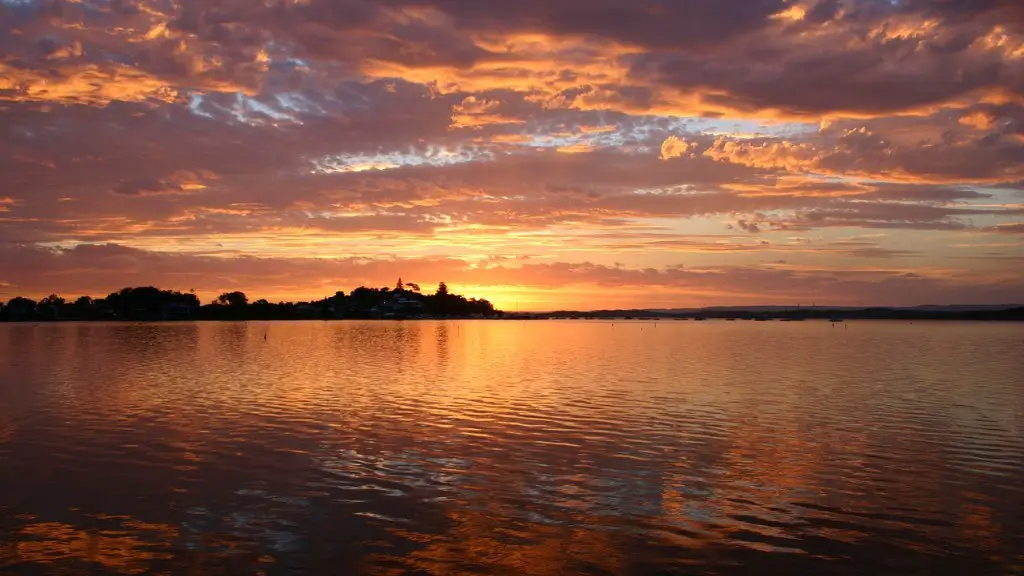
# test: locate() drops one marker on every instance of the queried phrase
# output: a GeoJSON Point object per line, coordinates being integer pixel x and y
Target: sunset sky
{"type": "Point", "coordinates": [540, 153]}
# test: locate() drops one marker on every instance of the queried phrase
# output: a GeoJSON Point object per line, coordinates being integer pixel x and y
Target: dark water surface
{"type": "Point", "coordinates": [512, 448]}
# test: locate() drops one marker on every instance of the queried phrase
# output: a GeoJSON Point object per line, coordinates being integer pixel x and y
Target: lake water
{"type": "Point", "coordinates": [558, 447]}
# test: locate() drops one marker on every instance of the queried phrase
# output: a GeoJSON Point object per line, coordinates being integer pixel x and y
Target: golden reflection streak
{"type": "Point", "coordinates": [53, 542]}
{"type": "Point", "coordinates": [482, 537]}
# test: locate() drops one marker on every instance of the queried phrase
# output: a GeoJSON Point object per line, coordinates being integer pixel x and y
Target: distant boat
{"type": "Point", "coordinates": [760, 319]}
{"type": "Point", "coordinates": [700, 318]}
{"type": "Point", "coordinates": [835, 319]}
{"type": "Point", "coordinates": [730, 319]}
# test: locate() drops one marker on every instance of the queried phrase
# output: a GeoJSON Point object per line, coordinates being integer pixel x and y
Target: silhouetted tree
{"type": "Point", "coordinates": [361, 300]}
{"type": "Point", "coordinates": [151, 303]}
{"type": "Point", "coordinates": [147, 302]}
{"type": "Point", "coordinates": [234, 299]}
{"type": "Point", "coordinates": [52, 300]}
{"type": "Point", "coordinates": [49, 308]}
{"type": "Point", "coordinates": [399, 286]}
{"type": "Point", "coordinates": [19, 308]}
{"type": "Point", "coordinates": [82, 308]}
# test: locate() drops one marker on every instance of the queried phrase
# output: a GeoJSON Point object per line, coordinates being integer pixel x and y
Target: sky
{"type": "Point", "coordinates": [543, 154]}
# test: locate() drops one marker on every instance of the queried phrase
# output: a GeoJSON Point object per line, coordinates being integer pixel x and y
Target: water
{"type": "Point", "coordinates": [575, 447]}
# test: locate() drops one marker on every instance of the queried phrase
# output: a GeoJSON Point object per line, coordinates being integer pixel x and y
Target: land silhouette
{"type": "Point", "coordinates": [407, 301]}
{"type": "Point", "coordinates": [148, 303]}
{"type": "Point", "coordinates": [796, 314]}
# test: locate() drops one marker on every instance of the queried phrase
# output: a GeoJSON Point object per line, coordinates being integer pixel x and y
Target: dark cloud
{"type": "Point", "coordinates": [149, 187]}
{"type": "Point", "coordinates": [879, 57]}
{"type": "Point", "coordinates": [661, 24]}
{"type": "Point", "coordinates": [888, 191]}
{"type": "Point", "coordinates": [859, 55]}
{"type": "Point", "coordinates": [747, 226]}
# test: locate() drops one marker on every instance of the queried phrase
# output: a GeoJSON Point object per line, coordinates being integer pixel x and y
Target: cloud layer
{"type": "Point", "coordinates": [785, 149]}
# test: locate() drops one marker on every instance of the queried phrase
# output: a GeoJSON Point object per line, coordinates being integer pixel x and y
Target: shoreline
{"type": "Point", "coordinates": [647, 320]}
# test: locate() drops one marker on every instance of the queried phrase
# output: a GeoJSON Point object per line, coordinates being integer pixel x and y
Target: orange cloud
{"type": "Point", "coordinates": [979, 120]}
{"type": "Point", "coordinates": [773, 155]}
{"type": "Point", "coordinates": [88, 84]}
{"type": "Point", "coordinates": [475, 112]}
{"type": "Point", "coordinates": [674, 147]}
{"type": "Point", "coordinates": [576, 148]}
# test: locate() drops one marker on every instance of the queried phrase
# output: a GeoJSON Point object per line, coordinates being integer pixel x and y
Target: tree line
{"type": "Point", "coordinates": [405, 300]}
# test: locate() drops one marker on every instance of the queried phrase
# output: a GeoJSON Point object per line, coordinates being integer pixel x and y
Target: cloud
{"type": "Point", "coordinates": [935, 149]}
{"type": "Point", "coordinates": [747, 226]}
{"type": "Point", "coordinates": [428, 190]}
{"type": "Point", "coordinates": [475, 112]}
{"type": "Point", "coordinates": [182, 182]}
{"type": "Point", "coordinates": [1009, 228]}
{"type": "Point", "coordinates": [697, 53]}
{"type": "Point", "coordinates": [674, 147]}
{"type": "Point", "coordinates": [454, 129]}
{"type": "Point", "coordinates": [836, 60]}
{"type": "Point", "coordinates": [99, 269]}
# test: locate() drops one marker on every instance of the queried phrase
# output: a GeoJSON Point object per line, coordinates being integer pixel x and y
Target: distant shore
{"type": "Point", "coordinates": [406, 301]}
{"type": "Point", "coordinates": [792, 315]}
{"type": "Point", "coordinates": [1009, 315]}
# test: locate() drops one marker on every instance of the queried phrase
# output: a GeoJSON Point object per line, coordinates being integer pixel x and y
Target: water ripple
{"type": "Point", "coordinates": [511, 448]}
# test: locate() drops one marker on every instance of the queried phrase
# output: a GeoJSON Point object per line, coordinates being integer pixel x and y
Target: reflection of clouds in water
{"type": "Point", "coordinates": [257, 520]}
{"type": "Point", "coordinates": [572, 446]}
{"type": "Point", "coordinates": [120, 543]}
